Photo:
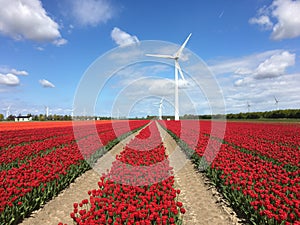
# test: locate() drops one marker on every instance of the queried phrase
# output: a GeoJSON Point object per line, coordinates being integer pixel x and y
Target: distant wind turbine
{"type": "Point", "coordinates": [84, 112]}
{"type": "Point", "coordinates": [175, 57]}
{"type": "Point", "coordinates": [118, 115]}
{"type": "Point", "coordinates": [7, 111]}
{"type": "Point", "coordinates": [160, 109]}
{"type": "Point", "coordinates": [46, 111]}
{"type": "Point", "coordinates": [248, 106]}
{"type": "Point", "coordinates": [72, 112]}
{"type": "Point", "coordinates": [276, 102]}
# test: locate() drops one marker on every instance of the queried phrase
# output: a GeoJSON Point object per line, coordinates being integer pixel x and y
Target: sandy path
{"type": "Point", "coordinates": [59, 208]}
{"type": "Point", "coordinates": [199, 199]}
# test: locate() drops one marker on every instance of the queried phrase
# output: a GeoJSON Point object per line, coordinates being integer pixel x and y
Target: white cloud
{"type": "Point", "coordinates": [60, 42]}
{"type": "Point", "coordinates": [27, 19]}
{"type": "Point", "coordinates": [257, 78]}
{"type": "Point", "coordinates": [19, 72]}
{"type": "Point", "coordinates": [243, 71]}
{"type": "Point", "coordinates": [287, 13]}
{"type": "Point", "coordinates": [91, 12]}
{"type": "Point", "coordinates": [40, 48]}
{"type": "Point", "coordinates": [243, 81]}
{"type": "Point", "coordinates": [263, 21]}
{"type": "Point", "coordinates": [242, 65]}
{"type": "Point", "coordinates": [46, 83]}
{"type": "Point", "coordinates": [122, 38]}
{"type": "Point", "coordinates": [272, 67]}
{"type": "Point", "coordinates": [260, 93]}
{"type": "Point", "coordinates": [275, 65]}
{"type": "Point", "coordinates": [183, 84]}
{"type": "Point", "coordinates": [286, 16]}
{"type": "Point", "coordinates": [9, 79]}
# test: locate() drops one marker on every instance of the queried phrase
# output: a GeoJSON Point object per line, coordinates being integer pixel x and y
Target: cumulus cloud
{"type": "Point", "coordinates": [286, 16]}
{"type": "Point", "coordinates": [272, 67]}
{"type": "Point", "coordinates": [287, 13]}
{"type": "Point", "coordinates": [27, 19]}
{"type": "Point", "coordinates": [9, 79]}
{"type": "Point", "coordinates": [242, 65]}
{"type": "Point", "coordinates": [264, 21]}
{"type": "Point", "coordinates": [275, 65]}
{"type": "Point", "coordinates": [19, 72]}
{"type": "Point", "coordinates": [91, 12]}
{"type": "Point", "coordinates": [46, 83]}
{"type": "Point", "coordinates": [122, 38]}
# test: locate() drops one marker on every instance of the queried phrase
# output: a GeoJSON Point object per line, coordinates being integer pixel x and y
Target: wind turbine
{"type": "Point", "coordinates": [175, 57]}
{"type": "Point", "coordinates": [46, 111]}
{"type": "Point", "coordinates": [160, 109]}
{"type": "Point", "coordinates": [72, 112]}
{"type": "Point", "coordinates": [248, 106]}
{"type": "Point", "coordinates": [118, 116]}
{"type": "Point", "coordinates": [276, 102]}
{"type": "Point", "coordinates": [7, 112]}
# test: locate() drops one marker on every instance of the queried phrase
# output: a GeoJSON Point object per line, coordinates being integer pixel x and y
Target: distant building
{"type": "Point", "coordinates": [23, 118]}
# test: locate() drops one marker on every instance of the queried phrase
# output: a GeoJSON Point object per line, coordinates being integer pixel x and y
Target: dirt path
{"type": "Point", "coordinates": [200, 200]}
{"type": "Point", "coordinates": [59, 208]}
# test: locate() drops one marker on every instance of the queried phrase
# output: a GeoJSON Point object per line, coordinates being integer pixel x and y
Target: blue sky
{"type": "Point", "coordinates": [251, 48]}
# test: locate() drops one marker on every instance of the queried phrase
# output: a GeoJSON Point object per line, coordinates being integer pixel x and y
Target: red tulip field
{"type": "Point", "coordinates": [255, 168]}
{"type": "Point", "coordinates": [134, 191]}
{"type": "Point", "coordinates": [36, 164]}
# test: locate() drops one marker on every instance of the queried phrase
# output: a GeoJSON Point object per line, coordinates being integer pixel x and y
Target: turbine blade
{"type": "Point", "coordinates": [178, 53]}
{"type": "Point", "coordinates": [161, 99]}
{"type": "Point", "coordinates": [179, 69]}
{"type": "Point", "coordinates": [161, 56]}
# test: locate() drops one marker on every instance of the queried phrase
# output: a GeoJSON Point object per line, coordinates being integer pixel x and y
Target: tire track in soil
{"type": "Point", "coordinates": [201, 201]}
{"type": "Point", "coordinates": [59, 208]}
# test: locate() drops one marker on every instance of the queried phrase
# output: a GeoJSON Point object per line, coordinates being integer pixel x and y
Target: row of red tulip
{"type": "Point", "coordinates": [266, 192]}
{"type": "Point", "coordinates": [277, 141]}
{"type": "Point", "coordinates": [64, 136]}
{"type": "Point", "coordinates": [16, 137]}
{"type": "Point", "coordinates": [138, 189]}
{"type": "Point", "coordinates": [27, 186]}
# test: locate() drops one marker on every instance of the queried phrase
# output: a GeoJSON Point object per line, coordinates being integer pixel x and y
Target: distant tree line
{"type": "Point", "coordinates": [276, 114]}
{"type": "Point", "coordinates": [43, 117]}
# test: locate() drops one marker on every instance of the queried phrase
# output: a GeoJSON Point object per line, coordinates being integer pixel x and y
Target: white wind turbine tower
{"type": "Point", "coordinates": [118, 115]}
{"type": "Point", "coordinates": [7, 111]}
{"type": "Point", "coordinates": [276, 102]}
{"type": "Point", "coordinates": [175, 57]}
{"type": "Point", "coordinates": [72, 112]}
{"type": "Point", "coordinates": [160, 109]}
{"type": "Point", "coordinates": [47, 111]}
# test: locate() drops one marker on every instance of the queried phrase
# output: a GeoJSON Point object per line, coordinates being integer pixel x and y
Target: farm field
{"type": "Point", "coordinates": [36, 164]}
{"type": "Point", "coordinates": [256, 170]}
